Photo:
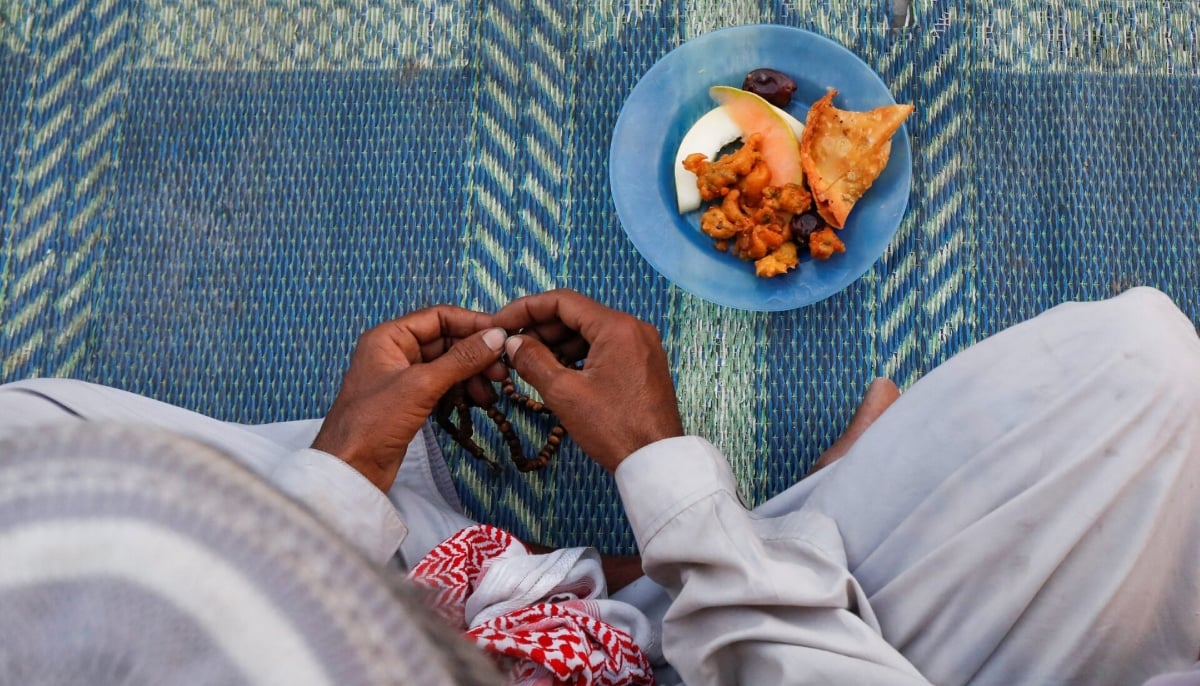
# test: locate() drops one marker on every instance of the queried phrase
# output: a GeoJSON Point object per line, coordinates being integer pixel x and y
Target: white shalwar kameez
{"type": "Point", "coordinates": [1027, 513]}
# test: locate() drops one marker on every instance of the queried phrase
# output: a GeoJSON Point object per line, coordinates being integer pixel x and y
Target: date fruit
{"type": "Point", "coordinates": [771, 85]}
{"type": "Point", "coordinates": [803, 226]}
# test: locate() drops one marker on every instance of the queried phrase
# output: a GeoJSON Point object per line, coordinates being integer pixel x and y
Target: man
{"type": "Point", "coordinates": [1023, 514]}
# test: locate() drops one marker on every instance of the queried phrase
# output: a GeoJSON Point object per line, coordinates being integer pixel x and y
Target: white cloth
{"type": "Point", "coordinates": [517, 579]}
{"type": "Point", "coordinates": [1025, 514]}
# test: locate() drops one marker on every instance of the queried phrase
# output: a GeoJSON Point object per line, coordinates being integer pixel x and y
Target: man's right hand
{"type": "Point", "coordinates": [398, 372]}
{"type": "Point", "coordinates": [622, 399]}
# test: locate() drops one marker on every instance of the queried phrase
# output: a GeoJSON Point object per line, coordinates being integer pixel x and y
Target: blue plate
{"type": "Point", "coordinates": [674, 94]}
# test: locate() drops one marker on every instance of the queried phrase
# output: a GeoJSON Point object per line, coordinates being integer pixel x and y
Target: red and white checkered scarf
{"type": "Point", "coordinates": [558, 639]}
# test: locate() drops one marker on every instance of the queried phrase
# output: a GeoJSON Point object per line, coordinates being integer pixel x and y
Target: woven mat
{"type": "Point", "coordinates": [206, 200]}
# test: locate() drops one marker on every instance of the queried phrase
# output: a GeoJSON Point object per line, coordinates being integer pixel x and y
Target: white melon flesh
{"type": "Point", "coordinates": [708, 135]}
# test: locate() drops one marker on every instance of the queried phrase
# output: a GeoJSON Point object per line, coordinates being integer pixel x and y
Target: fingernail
{"type": "Point", "coordinates": [494, 338]}
{"type": "Point", "coordinates": [512, 345]}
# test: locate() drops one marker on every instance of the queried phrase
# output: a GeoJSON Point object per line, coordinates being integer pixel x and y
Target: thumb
{"type": "Point", "coordinates": [466, 358]}
{"type": "Point", "coordinates": [533, 361]}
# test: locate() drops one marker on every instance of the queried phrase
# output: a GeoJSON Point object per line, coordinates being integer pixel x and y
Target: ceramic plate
{"type": "Point", "coordinates": [674, 94]}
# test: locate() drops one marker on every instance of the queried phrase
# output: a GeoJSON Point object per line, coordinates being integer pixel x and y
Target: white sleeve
{"type": "Point", "coordinates": [755, 600]}
{"type": "Point", "coordinates": [344, 499]}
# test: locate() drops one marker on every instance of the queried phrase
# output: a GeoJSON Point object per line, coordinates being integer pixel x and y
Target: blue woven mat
{"type": "Point", "coordinates": [206, 202]}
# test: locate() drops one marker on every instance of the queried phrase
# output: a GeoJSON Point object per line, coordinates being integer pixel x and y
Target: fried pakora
{"type": "Point", "coordinates": [783, 258]}
{"type": "Point", "coordinates": [758, 228]}
{"type": "Point", "coordinates": [823, 243]}
{"type": "Point", "coordinates": [748, 216]}
{"type": "Point", "coordinates": [715, 179]}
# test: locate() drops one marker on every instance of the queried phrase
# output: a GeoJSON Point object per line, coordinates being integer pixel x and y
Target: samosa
{"type": "Point", "coordinates": [843, 152]}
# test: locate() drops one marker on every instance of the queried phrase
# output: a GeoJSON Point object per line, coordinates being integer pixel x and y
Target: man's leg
{"type": "Point", "coordinates": [1030, 511]}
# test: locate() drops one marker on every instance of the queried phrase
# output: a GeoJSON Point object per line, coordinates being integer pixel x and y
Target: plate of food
{"type": "Point", "coordinates": [761, 167]}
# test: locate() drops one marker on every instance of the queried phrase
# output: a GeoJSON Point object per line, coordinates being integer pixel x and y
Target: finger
{"type": "Point", "coordinates": [498, 371]}
{"type": "Point", "coordinates": [571, 351]}
{"type": "Point", "coordinates": [481, 391]}
{"type": "Point", "coordinates": [434, 325]}
{"type": "Point", "coordinates": [550, 333]}
{"type": "Point", "coordinates": [436, 348]}
{"type": "Point", "coordinates": [535, 362]}
{"type": "Point", "coordinates": [465, 359]}
{"type": "Point", "coordinates": [573, 309]}
{"type": "Point", "coordinates": [517, 315]}
{"type": "Point", "coordinates": [565, 342]}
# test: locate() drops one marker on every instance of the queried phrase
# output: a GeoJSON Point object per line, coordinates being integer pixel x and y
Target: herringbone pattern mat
{"type": "Point", "coordinates": [206, 200]}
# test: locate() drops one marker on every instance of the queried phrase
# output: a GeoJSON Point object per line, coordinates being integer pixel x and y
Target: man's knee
{"type": "Point", "coordinates": [1146, 323]}
{"type": "Point", "coordinates": [1153, 344]}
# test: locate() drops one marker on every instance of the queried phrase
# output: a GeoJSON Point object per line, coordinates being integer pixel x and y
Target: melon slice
{"type": "Point", "coordinates": [708, 135]}
{"type": "Point", "coordinates": [752, 114]}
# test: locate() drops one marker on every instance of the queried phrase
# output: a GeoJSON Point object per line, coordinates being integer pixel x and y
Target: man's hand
{"type": "Point", "coordinates": [622, 399]}
{"type": "Point", "coordinates": [397, 373]}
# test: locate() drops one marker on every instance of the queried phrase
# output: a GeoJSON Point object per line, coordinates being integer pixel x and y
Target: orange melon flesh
{"type": "Point", "coordinates": [752, 114]}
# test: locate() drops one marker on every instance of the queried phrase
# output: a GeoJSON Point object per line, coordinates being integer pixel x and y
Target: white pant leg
{"type": "Point", "coordinates": [1029, 513]}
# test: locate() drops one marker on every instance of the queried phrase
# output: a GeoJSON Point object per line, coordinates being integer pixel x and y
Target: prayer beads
{"type": "Point", "coordinates": [457, 404]}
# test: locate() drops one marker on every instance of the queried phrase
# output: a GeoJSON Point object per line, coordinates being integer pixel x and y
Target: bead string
{"type": "Point", "coordinates": [457, 402]}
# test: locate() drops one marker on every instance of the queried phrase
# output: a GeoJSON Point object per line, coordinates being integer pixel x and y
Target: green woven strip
{"type": "Point", "coordinates": [719, 364]}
